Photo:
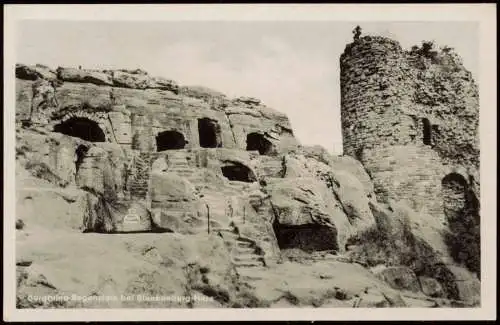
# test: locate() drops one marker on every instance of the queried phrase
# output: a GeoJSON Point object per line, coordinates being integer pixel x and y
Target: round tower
{"type": "Point", "coordinates": [411, 118]}
{"type": "Point", "coordinates": [375, 83]}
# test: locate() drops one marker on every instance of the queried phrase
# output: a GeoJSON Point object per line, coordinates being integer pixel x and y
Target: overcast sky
{"type": "Point", "coordinates": [291, 66]}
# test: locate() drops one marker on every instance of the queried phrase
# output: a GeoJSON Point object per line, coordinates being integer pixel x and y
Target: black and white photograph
{"type": "Point", "coordinates": [242, 165]}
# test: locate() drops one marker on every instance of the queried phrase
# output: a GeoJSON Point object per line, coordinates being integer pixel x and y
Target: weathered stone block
{"type": "Point", "coordinates": [430, 286]}
{"type": "Point", "coordinates": [401, 278]}
{"type": "Point", "coordinates": [84, 76]}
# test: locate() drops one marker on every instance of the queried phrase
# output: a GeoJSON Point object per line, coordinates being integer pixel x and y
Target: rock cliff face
{"type": "Point", "coordinates": [184, 191]}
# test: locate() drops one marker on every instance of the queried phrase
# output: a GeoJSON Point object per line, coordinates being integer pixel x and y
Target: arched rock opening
{"type": "Point", "coordinates": [82, 128]}
{"type": "Point", "coordinates": [209, 133]}
{"type": "Point", "coordinates": [426, 131]}
{"type": "Point", "coordinates": [309, 238]}
{"type": "Point", "coordinates": [461, 208]}
{"type": "Point", "coordinates": [454, 191]}
{"type": "Point", "coordinates": [169, 140]}
{"type": "Point", "coordinates": [235, 171]}
{"type": "Point", "coordinates": [256, 141]}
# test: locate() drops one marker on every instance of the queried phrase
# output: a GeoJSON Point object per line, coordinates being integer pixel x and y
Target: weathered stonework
{"type": "Point", "coordinates": [411, 118]}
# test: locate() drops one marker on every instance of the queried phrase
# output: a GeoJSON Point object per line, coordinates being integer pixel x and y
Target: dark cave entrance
{"type": "Point", "coordinates": [170, 140]}
{"type": "Point", "coordinates": [454, 191]}
{"type": "Point", "coordinates": [238, 172]}
{"type": "Point", "coordinates": [82, 128]}
{"type": "Point", "coordinates": [427, 131]}
{"type": "Point", "coordinates": [80, 153]}
{"type": "Point", "coordinates": [461, 208]}
{"type": "Point", "coordinates": [309, 238]}
{"type": "Point", "coordinates": [209, 133]}
{"type": "Point", "coordinates": [256, 141]}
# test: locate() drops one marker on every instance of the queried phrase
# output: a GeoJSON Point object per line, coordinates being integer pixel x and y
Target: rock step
{"type": "Point", "coordinates": [238, 219]}
{"type": "Point", "coordinates": [180, 163]}
{"type": "Point", "coordinates": [244, 244]}
{"type": "Point", "coordinates": [255, 273]}
{"type": "Point", "coordinates": [138, 195]}
{"type": "Point", "coordinates": [244, 250]}
{"type": "Point", "coordinates": [179, 167]}
{"type": "Point", "coordinates": [137, 186]}
{"type": "Point", "coordinates": [238, 222]}
{"type": "Point", "coordinates": [222, 229]}
{"type": "Point", "coordinates": [196, 179]}
{"type": "Point", "coordinates": [249, 277]}
{"type": "Point", "coordinates": [143, 186]}
{"type": "Point", "coordinates": [178, 159]}
{"type": "Point", "coordinates": [247, 263]}
{"type": "Point", "coordinates": [181, 170]}
{"type": "Point", "coordinates": [183, 174]}
{"type": "Point", "coordinates": [138, 180]}
{"type": "Point", "coordinates": [246, 258]}
{"type": "Point", "coordinates": [261, 209]}
{"type": "Point", "coordinates": [227, 234]}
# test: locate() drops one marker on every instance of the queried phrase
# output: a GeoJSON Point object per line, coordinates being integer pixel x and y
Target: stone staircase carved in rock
{"type": "Point", "coordinates": [178, 163]}
{"type": "Point", "coordinates": [183, 163]}
{"type": "Point", "coordinates": [257, 200]}
{"type": "Point", "coordinates": [138, 181]}
{"type": "Point", "coordinates": [244, 252]}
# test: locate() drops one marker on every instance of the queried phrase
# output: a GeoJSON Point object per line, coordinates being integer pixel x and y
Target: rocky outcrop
{"type": "Point", "coordinates": [206, 94]}
{"type": "Point", "coordinates": [307, 215]}
{"type": "Point", "coordinates": [84, 76]}
{"type": "Point", "coordinates": [430, 286]}
{"type": "Point", "coordinates": [134, 80]}
{"type": "Point", "coordinates": [399, 277]}
{"type": "Point", "coordinates": [35, 72]}
{"type": "Point", "coordinates": [170, 187]}
{"type": "Point", "coordinates": [163, 84]}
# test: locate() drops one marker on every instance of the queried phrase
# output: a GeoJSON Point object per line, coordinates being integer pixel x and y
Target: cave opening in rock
{"type": "Point", "coordinates": [80, 153]}
{"type": "Point", "coordinates": [427, 131]}
{"type": "Point", "coordinates": [256, 141]}
{"type": "Point", "coordinates": [454, 191]}
{"type": "Point", "coordinates": [238, 172]}
{"type": "Point", "coordinates": [309, 238]}
{"type": "Point", "coordinates": [209, 133]}
{"type": "Point", "coordinates": [170, 140]}
{"type": "Point", "coordinates": [82, 128]}
{"type": "Point", "coordinates": [461, 208]}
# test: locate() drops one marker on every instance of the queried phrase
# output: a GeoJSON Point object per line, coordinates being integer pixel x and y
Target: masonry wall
{"type": "Point", "coordinates": [374, 87]}
{"type": "Point", "coordinates": [446, 94]}
{"type": "Point", "coordinates": [411, 173]}
{"type": "Point", "coordinates": [411, 118]}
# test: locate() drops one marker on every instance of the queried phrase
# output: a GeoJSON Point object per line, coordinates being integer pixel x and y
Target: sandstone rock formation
{"type": "Point", "coordinates": [184, 191]}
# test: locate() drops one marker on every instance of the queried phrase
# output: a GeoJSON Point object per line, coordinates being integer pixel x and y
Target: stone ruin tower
{"type": "Point", "coordinates": [412, 118]}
